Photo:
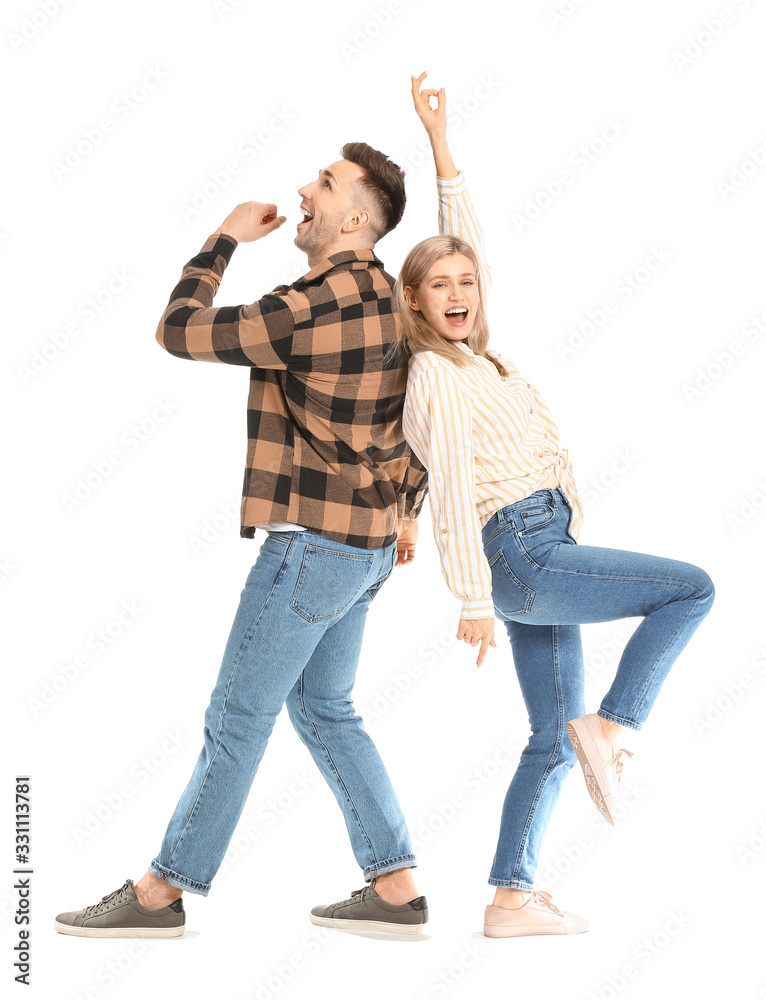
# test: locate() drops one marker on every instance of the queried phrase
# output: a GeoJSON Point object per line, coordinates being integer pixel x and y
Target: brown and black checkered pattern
{"type": "Point", "coordinates": [325, 442]}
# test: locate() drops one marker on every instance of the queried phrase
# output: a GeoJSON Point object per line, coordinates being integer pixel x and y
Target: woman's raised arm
{"type": "Point", "coordinates": [456, 212]}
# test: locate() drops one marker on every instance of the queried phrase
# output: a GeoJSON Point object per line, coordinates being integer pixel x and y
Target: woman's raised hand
{"type": "Point", "coordinates": [434, 119]}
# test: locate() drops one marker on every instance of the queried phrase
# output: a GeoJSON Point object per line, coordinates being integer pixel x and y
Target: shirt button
{"type": "Point", "coordinates": [444, 531]}
{"type": "Point", "coordinates": [531, 409]}
{"type": "Point", "coordinates": [529, 385]}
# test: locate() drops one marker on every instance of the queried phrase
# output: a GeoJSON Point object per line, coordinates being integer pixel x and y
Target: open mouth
{"type": "Point", "coordinates": [456, 316]}
{"type": "Point", "coordinates": [307, 217]}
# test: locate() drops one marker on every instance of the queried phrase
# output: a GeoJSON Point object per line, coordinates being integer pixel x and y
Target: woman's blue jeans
{"type": "Point", "coordinates": [544, 586]}
{"type": "Point", "coordinates": [296, 638]}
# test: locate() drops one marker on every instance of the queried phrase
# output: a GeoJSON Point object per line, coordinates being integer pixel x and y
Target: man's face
{"type": "Point", "coordinates": [330, 201]}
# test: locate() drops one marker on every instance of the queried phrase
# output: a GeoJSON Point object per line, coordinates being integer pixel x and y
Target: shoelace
{"type": "Point", "coordinates": [358, 894]}
{"type": "Point", "coordinates": [117, 896]}
{"type": "Point", "coordinates": [544, 898]}
{"type": "Point", "coordinates": [618, 764]}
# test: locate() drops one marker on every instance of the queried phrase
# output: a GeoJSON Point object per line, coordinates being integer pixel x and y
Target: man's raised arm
{"type": "Point", "coordinates": [259, 334]}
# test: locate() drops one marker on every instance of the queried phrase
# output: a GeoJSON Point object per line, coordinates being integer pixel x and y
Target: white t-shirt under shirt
{"type": "Point", "coordinates": [281, 526]}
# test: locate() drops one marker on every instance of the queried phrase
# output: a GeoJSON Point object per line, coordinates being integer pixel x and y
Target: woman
{"type": "Point", "coordinates": [506, 520]}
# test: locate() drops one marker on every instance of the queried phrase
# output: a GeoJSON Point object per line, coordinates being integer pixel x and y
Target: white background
{"type": "Point", "coordinates": [673, 892]}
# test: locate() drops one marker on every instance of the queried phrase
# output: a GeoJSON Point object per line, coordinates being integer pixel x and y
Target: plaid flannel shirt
{"type": "Point", "coordinates": [325, 442]}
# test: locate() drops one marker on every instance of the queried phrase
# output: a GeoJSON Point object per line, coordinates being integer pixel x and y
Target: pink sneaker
{"type": "Point", "coordinates": [601, 765]}
{"type": "Point", "coordinates": [539, 915]}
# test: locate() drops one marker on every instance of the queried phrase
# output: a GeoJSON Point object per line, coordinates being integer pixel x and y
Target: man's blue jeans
{"type": "Point", "coordinates": [544, 585]}
{"type": "Point", "coordinates": [296, 637]}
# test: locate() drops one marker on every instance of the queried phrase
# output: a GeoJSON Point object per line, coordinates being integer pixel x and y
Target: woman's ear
{"type": "Point", "coordinates": [411, 298]}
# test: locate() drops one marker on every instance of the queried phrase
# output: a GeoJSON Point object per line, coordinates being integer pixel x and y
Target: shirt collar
{"type": "Point", "coordinates": [353, 259]}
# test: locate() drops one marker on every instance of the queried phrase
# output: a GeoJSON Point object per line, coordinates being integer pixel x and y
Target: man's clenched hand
{"type": "Point", "coordinates": [406, 536]}
{"type": "Point", "coordinates": [250, 221]}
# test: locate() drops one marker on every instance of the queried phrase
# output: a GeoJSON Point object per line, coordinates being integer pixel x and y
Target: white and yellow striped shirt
{"type": "Point", "coordinates": [487, 440]}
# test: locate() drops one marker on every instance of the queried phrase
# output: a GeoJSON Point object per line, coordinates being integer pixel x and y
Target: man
{"type": "Point", "coordinates": [331, 479]}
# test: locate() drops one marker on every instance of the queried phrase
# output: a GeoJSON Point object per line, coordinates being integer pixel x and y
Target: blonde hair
{"type": "Point", "coordinates": [414, 333]}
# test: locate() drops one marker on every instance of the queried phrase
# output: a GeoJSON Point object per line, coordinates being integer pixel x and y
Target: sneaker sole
{"type": "Point", "coordinates": [116, 932]}
{"type": "Point", "coordinates": [366, 925]}
{"type": "Point", "coordinates": [521, 931]}
{"type": "Point", "coordinates": [586, 751]}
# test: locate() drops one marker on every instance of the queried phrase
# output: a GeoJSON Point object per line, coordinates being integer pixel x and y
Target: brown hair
{"type": "Point", "coordinates": [384, 181]}
{"type": "Point", "coordinates": [413, 332]}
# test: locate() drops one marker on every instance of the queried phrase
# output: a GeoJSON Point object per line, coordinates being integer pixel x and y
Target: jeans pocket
{"type": "Point", "coordinates": [328, 582]}
{"type": "Point", "coordinates": [534, 516]}
{"type": "Point", "coordinates": [509, 595]}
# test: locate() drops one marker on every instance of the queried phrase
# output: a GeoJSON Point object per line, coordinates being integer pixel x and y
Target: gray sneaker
{"type": "Point", "coordinates": [119, 914]}
{"type": "Point", "coordinates": [366, 911]}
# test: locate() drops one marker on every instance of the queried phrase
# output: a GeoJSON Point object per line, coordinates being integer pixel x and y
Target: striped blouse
{"type": "Point", "coordinates": [486, 439]}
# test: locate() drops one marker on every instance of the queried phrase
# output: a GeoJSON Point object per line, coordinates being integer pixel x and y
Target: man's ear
{"type": "Point", "coordinates": [357, 221]}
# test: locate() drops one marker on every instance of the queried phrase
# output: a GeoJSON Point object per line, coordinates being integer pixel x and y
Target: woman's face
{"type": "Point", "coordinates": [448, 296]}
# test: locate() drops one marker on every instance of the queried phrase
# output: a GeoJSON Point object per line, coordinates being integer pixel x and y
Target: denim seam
{"type": "Point", "coordinates": [304, 571]}
{"type": "Point", "coordinates": [551, 760]}
{"type": "Point", "coordinates": [600, 576]}
{"type": "Point", "coordinates": [240, 652]}
{"type": "Point", "coordinates": [664, 653]}
{"type": "Point", "coordinates": [619, 720]}
{"type": "Point", "coordinates": [536, 527]}
{"type": "Point", "coordinates": [181, 878]}
{"type": "Point", "coordinates": [370, 869]}
{"type": "Point", "coordinates": [529, 594]}
{"type": "Point", "coordinates": [511, 883]}
{"type": "Point", "coordinates": [334, 767]}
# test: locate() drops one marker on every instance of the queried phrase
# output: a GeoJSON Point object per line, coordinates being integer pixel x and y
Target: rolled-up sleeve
{"type": "Point", "coordinates": [437, 423]}
{"type": "Point", "coordinates": [259, 334]}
